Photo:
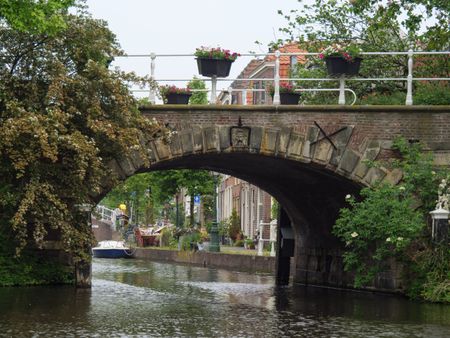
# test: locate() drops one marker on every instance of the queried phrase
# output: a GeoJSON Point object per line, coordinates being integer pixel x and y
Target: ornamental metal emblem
{"type": "Point", "coordinates": [239, 135]}
{"type": "Point", "coordinates": [327, 136]}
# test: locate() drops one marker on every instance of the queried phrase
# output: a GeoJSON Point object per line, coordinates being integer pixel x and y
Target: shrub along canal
{"type": "Point", "coordinates": [143, 298]}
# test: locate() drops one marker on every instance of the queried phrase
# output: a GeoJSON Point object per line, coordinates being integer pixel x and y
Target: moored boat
{"type": "Point", "coordinates": [111, 249]}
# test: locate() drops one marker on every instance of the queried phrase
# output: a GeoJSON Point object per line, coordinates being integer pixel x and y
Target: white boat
{"type": "Point", "coordinates": [111, 249]}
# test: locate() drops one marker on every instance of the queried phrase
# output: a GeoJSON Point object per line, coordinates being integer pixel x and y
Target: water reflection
{"type": "Point", "coordinates": [141, 298]}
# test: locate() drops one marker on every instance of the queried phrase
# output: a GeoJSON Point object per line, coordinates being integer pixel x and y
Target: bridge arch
{"type": "Point", "coordinates": [309, 159]}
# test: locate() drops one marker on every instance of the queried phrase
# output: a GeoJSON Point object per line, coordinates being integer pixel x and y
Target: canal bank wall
{"type": "Point", "coordinates": [246, 263]}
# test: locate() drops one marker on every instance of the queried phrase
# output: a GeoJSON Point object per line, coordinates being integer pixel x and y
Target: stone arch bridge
{"type": "Point", "coordinates": [308, 158]}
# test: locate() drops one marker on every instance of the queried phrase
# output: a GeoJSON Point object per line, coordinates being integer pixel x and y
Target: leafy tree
{"type": "Point", "coordinates": [200, 97]}
{"type": "Point", "coordinates": [378, 26]}
{"type": "Point", "coordinates": [63, 116]}
{"type": "Point", "coordinates": [163, 186]}
{"type": "Point", "coordinates": [46, 16]}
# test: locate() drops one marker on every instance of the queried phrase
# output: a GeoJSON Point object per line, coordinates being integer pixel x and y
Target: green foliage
{"type": "Point", "coordinates": [390, 222]}
{"type": "Point", "coordinates": [432, 94]}
{"type": "Point", "coordinates": [249, 243]}
{"type": "Point", "coordinates": [215, 53]}
{"type": "Point", "coordinates": [200, 97]}
{"type": "Point", "coordinates": [377, 26]}
{"type": "Point", "coordinates": [239, 243]}
{"type": "Point", "coordinates": [30, 268]}
{"type": "Point", "coordinates": [275, 209]}
{"type": "Point", "coordinates": [63, 116]}
{"type": "Point", "coordinates": [152, 192]}
{"type": "Point", "coordinates": [46, 16]}
{"type": "Point", "coordinates": [377, 228]}
{"type": "Point", "coordinates": [234, 225]}
{"type": "Point", "coordinates": [189, 241]}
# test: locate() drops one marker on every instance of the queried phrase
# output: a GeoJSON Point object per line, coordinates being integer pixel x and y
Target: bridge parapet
{"type": "Point", "coordinates": [333, 138]}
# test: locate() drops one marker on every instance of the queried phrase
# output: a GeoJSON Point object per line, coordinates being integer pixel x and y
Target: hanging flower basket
{"type": "Point", "coordinates": [177, 98]}
{"type": "Point", "coordinates": [289, 98]}
{"type": "Point", "coordinates": [337, 66]}
{"type": "Point", "coordinates": [175, 95]}
{"type": "Point", "coordinates": [214, 61]}
{"type": "Point", "coordinates": [342, 59]}
{"type": "Point", "coordinates": [214, 67]}
{"type": "Point", "coordinates": [288, 95]}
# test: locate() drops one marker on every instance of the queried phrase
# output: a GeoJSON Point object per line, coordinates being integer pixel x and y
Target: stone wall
{"type": "Point", "coordinates": [245, 263]}
{"type": "Point", "coordinates": [308, 157]}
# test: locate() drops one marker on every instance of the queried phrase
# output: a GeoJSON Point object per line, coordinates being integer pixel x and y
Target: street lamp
{"type": "Point", "coordinates": [214, 245]}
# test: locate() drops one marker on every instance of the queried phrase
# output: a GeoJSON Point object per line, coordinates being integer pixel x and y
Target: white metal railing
{"type": "Point", "coordinates": [106, 215]}
{"type": "Point", "coordinates": [277, 78]}
{"type": "Point", "coordinates": [272, 240]}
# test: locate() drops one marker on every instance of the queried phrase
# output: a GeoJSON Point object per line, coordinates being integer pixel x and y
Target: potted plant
{"type": "Point", "coordinates": [175, 95]}
{"type": "Point", "coordinates": [342, 59]}
{"type": "Point", "coordinates": [287, 93]}
{"type": "Point", "coordinates": [249, 243]}
{"type": "Point", "coordinates": [214, 61]}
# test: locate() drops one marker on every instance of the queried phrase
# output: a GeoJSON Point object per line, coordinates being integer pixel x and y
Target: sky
{"type": "Point", "coordinates": [180, 26]}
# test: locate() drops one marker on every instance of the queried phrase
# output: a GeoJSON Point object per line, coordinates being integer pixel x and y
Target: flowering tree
{"type": "Point", "coordinates": [63, 115]}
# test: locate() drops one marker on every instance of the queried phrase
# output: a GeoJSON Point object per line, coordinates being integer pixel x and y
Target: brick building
{"type": "Point", "coordinates": [249, 92]}
{"type": "Point", "coordinates": [251, 203]}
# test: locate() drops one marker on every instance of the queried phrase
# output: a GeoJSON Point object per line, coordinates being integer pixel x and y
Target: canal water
{"type": "Point", "coordinates": [133, 298]}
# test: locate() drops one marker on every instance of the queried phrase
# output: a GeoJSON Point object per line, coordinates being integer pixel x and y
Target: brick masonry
{"type": "Point", "coordinates": [288, 156]}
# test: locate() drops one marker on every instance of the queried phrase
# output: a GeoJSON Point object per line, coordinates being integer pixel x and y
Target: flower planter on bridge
{"type": "Point", "coordinates": [337, 66]}
{"type": "Point", "coordinates": [289, 98]}
{"type": "Point", "coordinates": [177, 98]}
{"type": "Point", "coordinates": [214, 67]}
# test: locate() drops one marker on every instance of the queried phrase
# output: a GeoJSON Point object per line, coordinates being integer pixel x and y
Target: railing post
{"type": "Point", "coordinates": [230, 95]}
{"type": "Point", "coordinates": [273, 237]}
{"type": "Point", "coordinates": [244, 97]}
{"type": "Point", "coordinates": [213, 89]}
{"type": "Point", "coordinates": [409, 79]}
{"type": "Point", "coordinates": [152, 96]}
{"type": "Point", "coordinates": [342, 90]}
{"type": "Point", "coordinates": [260, 239]}
{"type": "Point", "coordinates": [276, 79]}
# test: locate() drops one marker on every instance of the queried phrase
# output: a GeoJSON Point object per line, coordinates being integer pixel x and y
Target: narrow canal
{"type": "Point", "coordinates": [147, 299]}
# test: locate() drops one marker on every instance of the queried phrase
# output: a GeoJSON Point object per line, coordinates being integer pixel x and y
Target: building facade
{"type": "Point", "coordinates": [252, 204]}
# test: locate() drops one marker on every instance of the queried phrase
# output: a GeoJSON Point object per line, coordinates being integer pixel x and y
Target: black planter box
{"type": "Point", "coordinates": [177, 98]}
{"type": "Point", "coordinates": [214, 67]}
{"type": "Point", "coordinates": [289, 98]}
{"type": "Point", "coordinates": [337, 66]}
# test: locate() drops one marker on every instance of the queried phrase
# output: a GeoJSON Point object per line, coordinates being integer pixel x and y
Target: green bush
{"type": "Point", "coordinates": [432, 94]}
{"type": "Point", "coordinates": [234, 225]}
{"type": "Point", "coordinates": [383, 224]}
{"type": "Point", "coordinates": [239, 243]}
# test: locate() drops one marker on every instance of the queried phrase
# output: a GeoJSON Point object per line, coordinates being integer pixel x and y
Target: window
{"type": "Point", "coordinates": [259, 97]}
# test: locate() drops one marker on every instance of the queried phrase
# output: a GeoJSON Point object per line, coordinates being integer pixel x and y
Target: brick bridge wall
{"type": "Point", "coordinates": [287, 156]}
